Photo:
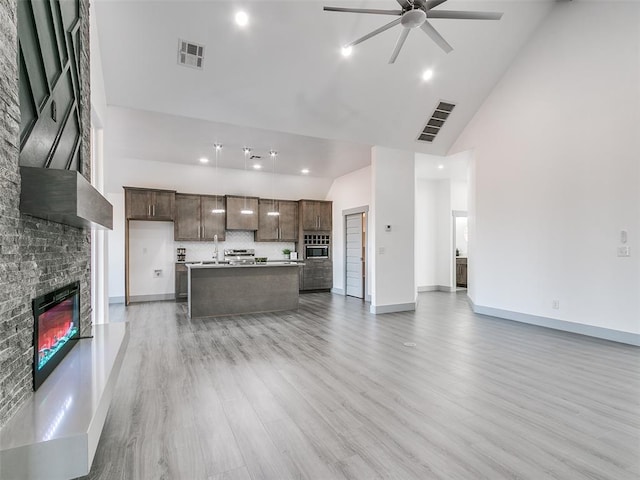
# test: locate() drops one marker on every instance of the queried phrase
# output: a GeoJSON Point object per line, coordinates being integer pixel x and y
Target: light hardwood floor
{"type": "Point", "coordinates": [331, 392]}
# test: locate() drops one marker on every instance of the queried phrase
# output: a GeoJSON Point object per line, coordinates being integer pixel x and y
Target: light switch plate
{"type": "Point", "coordinates": [624, 251]}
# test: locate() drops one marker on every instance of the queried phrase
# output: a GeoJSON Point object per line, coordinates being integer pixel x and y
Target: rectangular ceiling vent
{"type": "Point", "coordinates": [190, 54]}
{"type": "Point", "coordinates": [435, 123]}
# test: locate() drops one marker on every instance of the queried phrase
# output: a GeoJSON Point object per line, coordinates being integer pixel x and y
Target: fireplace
{"type": "Point", "coordinates": [56, 329]}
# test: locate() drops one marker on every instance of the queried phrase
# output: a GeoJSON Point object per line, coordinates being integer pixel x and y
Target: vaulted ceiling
{"type": "Point", "coordinates": [282, 83]}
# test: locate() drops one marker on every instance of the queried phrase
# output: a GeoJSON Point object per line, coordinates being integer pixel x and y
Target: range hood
{"type": "Point", "coordinates": [63, 196]}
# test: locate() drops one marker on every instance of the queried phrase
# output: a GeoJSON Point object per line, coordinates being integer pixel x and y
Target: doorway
{"type": "Point", "coordinates": [355, 254]}
{"type": "Point", "coordinates": [460, 250]}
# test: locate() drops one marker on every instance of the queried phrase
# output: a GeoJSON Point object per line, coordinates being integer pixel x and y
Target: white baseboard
{"type": "Point", "coordinates": [555, 324]}
{"type": "Point", "coordinates": [436, 288]}
{"type": "Point", "coordinates": [397, 307]}
{"type": "Point", "coordinates": [338, 291]}
{"type": "Point", "coordinates": [445, 288]}
{"type": "Point", "coordinates": [113, 300]}
{"type": "Point", "coordinates": [152, 298]}
{"type": "Point", "coordinates": [427, 288]}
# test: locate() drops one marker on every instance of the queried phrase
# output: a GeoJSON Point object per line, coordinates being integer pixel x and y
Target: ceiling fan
{"type": "Point", "coordinates": [414, 14]}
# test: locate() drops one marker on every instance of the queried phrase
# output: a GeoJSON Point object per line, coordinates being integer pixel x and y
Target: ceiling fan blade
{"type": "Point", "coordinates": [429, 4]}
{"type": "Point", "coordinates": [374, 33]}
{"type": "Point", "coordinates": [362, 10]}
{"type": "Point", "coordinates": [404, 3]}
{"type": "Point", "coordinates": [436, 37]}
{"type": "Point", "coordinates": [401, 39]}
{"type": "Point", "coordinates": [464, 15]}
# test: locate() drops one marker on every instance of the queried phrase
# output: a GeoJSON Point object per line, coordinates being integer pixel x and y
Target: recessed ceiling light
{"type": "Point", "coordinates": [440, 167]}
{"type": "Point", "coordinates": [257, 166]}
{"type": "Point", "coordinates": [242, 19]}
{"type": "Point", "coordinates": [346, 50]}
{"type": "Point", "coordinates": [304, 171]}
{"type": "Point", "coordinates": [427, 75]}
{"type": "Point", "coordinates": [204, 160]}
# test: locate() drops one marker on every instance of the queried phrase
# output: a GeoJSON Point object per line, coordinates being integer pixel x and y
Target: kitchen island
{"type": "Point", "coordinates": [223, 289]}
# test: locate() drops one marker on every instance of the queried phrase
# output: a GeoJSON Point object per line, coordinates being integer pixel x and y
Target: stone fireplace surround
{"type": "Point", "coordinates": [36, 256]}
{"type": "Point", "coordinates": [64, 418]}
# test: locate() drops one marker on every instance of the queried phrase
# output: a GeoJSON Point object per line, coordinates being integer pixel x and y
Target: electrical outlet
{"type": "Point", "coordinates": [381, 250]}
{"type": "Point", "coordinates": [157, 273]}
{"type": "Point", "coordinates": [555, 304]}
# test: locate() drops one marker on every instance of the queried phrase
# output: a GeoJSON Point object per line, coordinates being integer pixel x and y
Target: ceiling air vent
{"type": "Point", "coordinates": [190, 54]}
{"type": "Point", "coordinates": [435, 123]}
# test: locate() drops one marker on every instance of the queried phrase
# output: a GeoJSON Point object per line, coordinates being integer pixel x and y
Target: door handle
{"type": "Point", "coordinates": [149, 210]}
{"type": "Point", "coordinates": [154, 210]}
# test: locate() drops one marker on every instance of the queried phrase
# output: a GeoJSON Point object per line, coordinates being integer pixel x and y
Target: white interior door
{"type": "Point", "coordinates": [354, 256]}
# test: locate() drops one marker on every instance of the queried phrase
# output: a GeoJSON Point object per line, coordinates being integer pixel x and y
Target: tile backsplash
{"type": "Point", "coordinates": [199, 251]}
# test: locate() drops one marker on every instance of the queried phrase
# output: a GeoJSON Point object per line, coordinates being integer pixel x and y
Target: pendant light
{"type": "Point", "coordinates": [218, 150]}
{"type": "Point", "coordinates": [246, 210]}
{"type": "Point", "coordinates": [274, 212]}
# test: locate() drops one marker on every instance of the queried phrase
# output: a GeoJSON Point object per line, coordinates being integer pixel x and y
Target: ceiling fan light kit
{"type": "Point", "coordinates": [415, 14]}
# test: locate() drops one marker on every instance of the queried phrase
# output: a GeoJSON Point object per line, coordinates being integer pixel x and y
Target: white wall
{"type": "Point", "coordinates": [426, 234]}
{"type": "Point", "coordinates": [557, 174]}
{"type": "Point", "coordinates": [349, 191]}
{"type": "Point", "coordinates": [461, 238]}
{"type": "Point", "coordinates": [444, 235]}
{"type": "Point", "coordinates": [393, 201]}
{"type": "Point", "coordinates": [459, 195]}
{"type": "Point", "coordinates": [151, 248]}
{"type": "Point", "coordinates": [471, 226]}
{"type": "Point", "coordinates": [115, 242]}
{"type": "Point", "coordinates": [202, 179]}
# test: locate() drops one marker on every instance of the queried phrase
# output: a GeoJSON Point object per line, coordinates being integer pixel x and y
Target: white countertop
{"type": "Point", "coordinates": [255, 265]}
{"type": "Point", "coordinates": [54, 435]}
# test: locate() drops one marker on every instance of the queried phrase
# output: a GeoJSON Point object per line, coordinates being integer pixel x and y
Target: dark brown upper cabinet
{"type": "Point", "coordinates": [199, 217]}
{"type": "Point", "coordinates": [186, 225]}
{"type": "Point", "coordinates": [277, 228]}
{"type": "Point", "coordinates": [236, 220]}
{"type": "Point", "coordinates": [213, 216]}
{"type": "Point", "coordinates": [149, 204]}
{"type": "Point", "coordinates": [315, 215]}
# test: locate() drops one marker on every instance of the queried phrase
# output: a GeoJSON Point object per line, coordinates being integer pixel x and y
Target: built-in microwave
{"type": "Point", "coordinates": [316, 251]}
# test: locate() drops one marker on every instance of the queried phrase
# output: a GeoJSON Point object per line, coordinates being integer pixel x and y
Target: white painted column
{"type": "Point", "coordinates": [393, 202]}
{"type": "Point", "coordinates": [99, 273]}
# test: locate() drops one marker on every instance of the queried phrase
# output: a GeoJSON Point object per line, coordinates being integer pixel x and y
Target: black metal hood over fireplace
{"type": "Point", "coordinates": [63, 196]}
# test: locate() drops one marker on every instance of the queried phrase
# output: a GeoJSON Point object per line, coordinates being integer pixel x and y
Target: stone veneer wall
{"type": "Point", "coordinates": [36, 256]}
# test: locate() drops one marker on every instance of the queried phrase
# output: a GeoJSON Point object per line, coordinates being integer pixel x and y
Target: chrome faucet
{"type": "Point", "coordinates": [215, 248]}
